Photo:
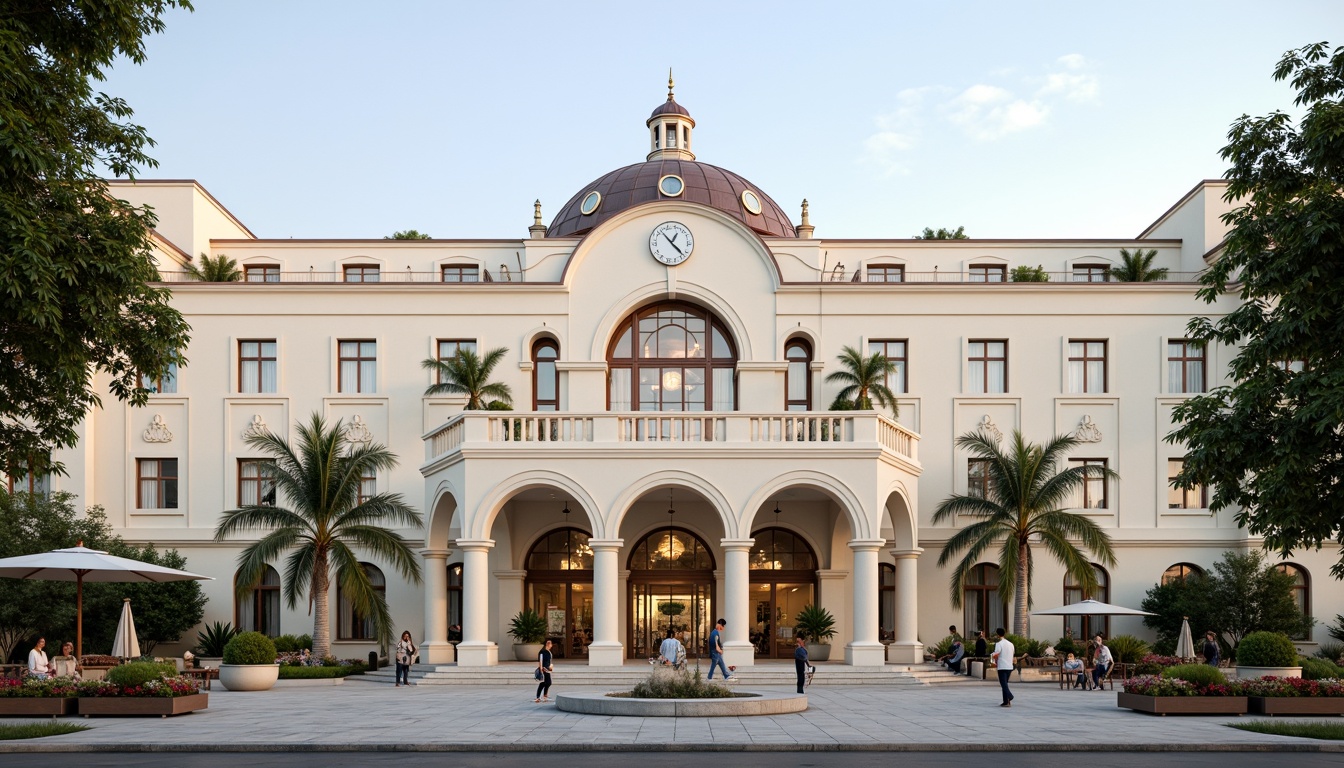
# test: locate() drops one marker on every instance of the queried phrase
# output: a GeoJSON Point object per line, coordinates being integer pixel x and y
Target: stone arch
{"type": "Point", "coordinates": [445, 510]}
{"type": "Point", "coordinates": [677, 479]}
{"type": "Point", "coordinates": [654, 292]}
{"type": "Point", "coordinates": [490, 506]}
{"type": "Point", "coordinates": [900, 514]}
{"type": "Point", "coordinates": [839, 492]}
{"type": "Point", "coordinates": [799, 331]}
{"type": "Point", "coordinates": [534, 335]}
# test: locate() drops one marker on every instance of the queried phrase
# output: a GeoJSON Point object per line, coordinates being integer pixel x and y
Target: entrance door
{"type": "Point", "coordinates": [568, 611]}
{"type": "Point", "coordinates": [685, 608]}
{"type": "Point", "coordinates": [775, 608]}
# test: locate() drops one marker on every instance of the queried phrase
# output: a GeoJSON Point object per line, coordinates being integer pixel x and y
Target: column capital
{"type": "Point", "coordinates": [866, 545]}
{"type": "Point", "coordinates": [828, 574]}
{"type": "Point", "coordinates": [737, 545]}
{"type": "Point", "coordinates": [907, 554]}
{"type": "Point", "coordinates": [430, 553]}
{"type": "Point", "coordinates": [516, 575]}
{"type": "Point", "coordinates": [613, 545]}
{"type": "Point", "coordinates": [475, 545]}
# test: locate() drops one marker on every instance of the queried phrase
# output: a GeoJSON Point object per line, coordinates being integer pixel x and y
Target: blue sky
{"type": "Point", "coordinates": [1050, 119]}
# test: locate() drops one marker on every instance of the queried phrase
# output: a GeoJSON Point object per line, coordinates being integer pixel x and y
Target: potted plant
{"type": "Point", "coordinates": [1295, 696]}
{"type": "Point", "coordinates": [672, 608]}
{"type": "Point", "coordinates": [529, 629]}
{"type": "Point", "coordinates": [1267, 654]}
{"type": "Point", "coordinates": [817, 625]}
{"type": "Point", "coordinates": [249, 663]}
{"type": "Point", "coordinates": [210, 644]}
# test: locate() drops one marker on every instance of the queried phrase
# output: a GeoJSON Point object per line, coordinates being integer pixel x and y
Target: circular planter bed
{"type": "Point", "coordinates": [1251, 673]}
{"type": "Point", "coordinates": [742, 705]}
{"type": "Point", "coordinates": [141, 706]}
{"type": "Point", "coordinates": [249, 677]}
{"type": "Point", "coordinates": [1183, 705]}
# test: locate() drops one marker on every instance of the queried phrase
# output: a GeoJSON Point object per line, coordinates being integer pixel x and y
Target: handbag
{"type": "Point", "coordinates": [537, 674]}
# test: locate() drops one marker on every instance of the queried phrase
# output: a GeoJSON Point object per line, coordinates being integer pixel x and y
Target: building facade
{"type": "Point", "coordinates": [670, 457]}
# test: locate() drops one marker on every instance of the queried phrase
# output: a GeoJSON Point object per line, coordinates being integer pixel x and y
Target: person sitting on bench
{"type": "Point", "coordinates": [953, 660]}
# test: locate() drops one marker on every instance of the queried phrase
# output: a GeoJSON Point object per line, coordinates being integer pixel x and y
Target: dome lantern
{"type": "Point", "coordinates": [670, 128]}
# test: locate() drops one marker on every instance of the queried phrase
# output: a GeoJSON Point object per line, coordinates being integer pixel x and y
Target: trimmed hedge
{"type": "Point", "coordinates": [140, 672]}
{"type": "Point", "coordinates": [320, 673]}
{"type": "Point", "coordinates": [1198, 674]}
{"type": "Point", "coordinates": [1320, 669]}
{"type": "Point", "coordinates": [1266, 649]}
{"type": "Point", "coordinates": [249, 648]}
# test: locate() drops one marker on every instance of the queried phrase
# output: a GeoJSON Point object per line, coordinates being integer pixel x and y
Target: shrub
{"type": "Point", "coordinates": [1025, 274]}
{"type": "Point", "coordinates": [1320, 669]}
{"type": "Point", "coordinates": [211, 640]}
{"type": "Point", "coordinates": [528, 627]}
{"type": "Point", "coordinates": [668, 683]}
{"type": "Point", "coordinates": [942, 647]}
{"type": "Point", "coordinates": [1195, 674]}
{"type": "Point", "coordinates": [1266, 649]}
{"type": "Point", "coordinates": [1067, 645]}
{"type": "Point", "coordinates": [1127, 649]}
{"type": "Point", "coordinates": [1281, 687]}
{"type": "Point", "coordinates": [320, 673]}
{"type": "Point", "coordinates": [1330, 651]}
{"type": "Point", "coordinates": [1025, 645]}
{"type": "Point", "coordinates": [304, 641]}
{"type": "Point", "coordinates": [286, 644]}
{"type": "Point", "coordinates": [816, 624]}
{"type": "Point", "coordinates": [140, 672]}
{"type": "Point", "coordinates": [1153, 664]}
{"type": "Point", "coordinates": [250, 648]}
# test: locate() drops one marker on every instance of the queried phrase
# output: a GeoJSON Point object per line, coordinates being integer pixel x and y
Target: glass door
{"type": "Point", "coordinates": [686, 609]}
{"type": "Point", "coordinates": [568, 611]}
{"type": "Point", "coordinates": [775, 608]}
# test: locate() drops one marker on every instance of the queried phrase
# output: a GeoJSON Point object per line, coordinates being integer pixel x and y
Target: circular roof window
{"type": "Point", "coordinates": [671, 185]}
{"type": "Point", "coordinates": [751, 202]}
{"type": "Point", "coordinates": [590, 202]}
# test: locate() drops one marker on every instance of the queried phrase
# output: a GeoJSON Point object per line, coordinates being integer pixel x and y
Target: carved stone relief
{"type": "Point", "coordinates": [158, 431]}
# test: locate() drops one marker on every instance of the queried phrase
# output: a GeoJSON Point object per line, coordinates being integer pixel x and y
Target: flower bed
{"type": "Point", "coordinates": [1164, 696]}
{"type": "Point", "coordinates": [1294, 696]}
{"type": "Point", "coordinates": [31, 697]}
{"type": "Point", "coordinates": [166, 697]}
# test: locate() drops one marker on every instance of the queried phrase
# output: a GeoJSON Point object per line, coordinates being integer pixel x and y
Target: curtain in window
{"type": "Point", "coordinates": [996, 377]}
{"type": "Point", "coordinates": [723, 389]}
{"type": "Point", "coordinates": [620, 389]}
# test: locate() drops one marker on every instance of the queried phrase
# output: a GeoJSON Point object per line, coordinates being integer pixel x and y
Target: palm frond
{"type": "Point", "coordinates": [300, 569]}
{"type": "Point", "coordinates": [385, 545]}
{"type": "Point", "coordinates": [969, 506]}
{"type": "Point", "coordinates": [257, 556]}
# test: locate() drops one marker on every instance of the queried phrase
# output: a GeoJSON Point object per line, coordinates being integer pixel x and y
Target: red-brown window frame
{"type": "Point", "coordinates": [882, 273]}
{"type": "Point", "coordinates": [987, 360]}
{"type": "Point", "coordinates": [1188, 346]}
{"type": "Point", "coordinates": [265, 271]}
{"type": "Point", "coordinates": [461, 271]}
{"type": "Point", "coordinates": [806, 360]}
{"type": "Point", "coordinates": [438, 352]}
{"type": "Point", "coordinates": [162, 481]}
{"type": "Point", "coordinates": [363, 271]}
{"type": "Point", "coordinates": [902, 359]}
{"type": "Point", "coordinates": [260, 360]}
{"type": "Point", "coordinates": [984, 270]}
{"type": "Point", "coordinates": [1093, 273]}
{"type": "Point", "coordinates": [1088, 481]}
{"type": "Point", "coordinates": [359, 359]}
{"type": "Point", "coordinates": [1203, 490]}
{"type": "Point", "coordinates": [1085, 359]}
{"type": "Point", "coordinates": [537, 361]}
{"type": "Point", "coordinates": [980, 484]}
{"type": "Point", "coordinates": [260, 481]}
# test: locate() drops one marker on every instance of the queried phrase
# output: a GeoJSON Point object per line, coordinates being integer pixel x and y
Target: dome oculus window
{"type": "Point", "coordinates": [671, 186]}
{"type": "Point", "coordinates": [590, 202]}
{"type": "Point", "coordinates": [751, 202]}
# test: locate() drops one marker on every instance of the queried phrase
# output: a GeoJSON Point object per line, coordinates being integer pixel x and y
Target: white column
{"type": "Point", "coordinates": [907, 649]}
{"type": "Point", "coordinates": [476, 650]}
{"type": "Point", "coordinates": [606, 650]}
{"type": "Point", "coordinates": [737, 649]}
{"type": "Point", "coordinates": [865, 649]}
{"type": "Point", "coordinates": [510, 599]}
{"type": "Point", "coordinates": [434, 645]}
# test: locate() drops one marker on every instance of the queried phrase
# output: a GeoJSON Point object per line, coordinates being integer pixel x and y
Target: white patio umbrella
{"type": "Point", "coordinates": [80, 564]}
{"type": "Point", "coordinates": [1088, 607]}
{"type": "Point", "coordinates": [126, 645]}
{"type": "Point", "coordinates": [1185, 645]}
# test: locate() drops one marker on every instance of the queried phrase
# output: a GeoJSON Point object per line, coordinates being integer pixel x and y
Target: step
{"type": "Point", "coordinates": [580, 674]}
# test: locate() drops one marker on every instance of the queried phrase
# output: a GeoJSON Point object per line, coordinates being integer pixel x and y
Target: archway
{"type": "Point", "coordinates": [559, 586]}
{"type": "Point", "coordinates": [670, 588]}
{"type": "Point", "coordinates": [783, 581]}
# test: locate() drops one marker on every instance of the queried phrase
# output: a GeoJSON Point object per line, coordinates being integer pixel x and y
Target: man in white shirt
{"type": "Point", "coordinates": [1003, 664]}
{"type": "Point", "coordinates": [671, 652]}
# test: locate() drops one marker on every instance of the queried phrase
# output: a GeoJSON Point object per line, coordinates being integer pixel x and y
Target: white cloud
{"type": "Point", "coordinates": [1073, 81]}
{"type": "Point", "coordinates": [897, 131]}
{"type": "Point", "coordinates": [987, 112]}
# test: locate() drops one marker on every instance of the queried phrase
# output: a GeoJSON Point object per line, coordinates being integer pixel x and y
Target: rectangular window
{"type": "Point", "coordinates": [165, 385]}
{"type": "Point", "coordinates": [670, 131]}
{"type": "Point", "coordinates": [1091, 273]}
{"type": "Point", "coordinates": [361, 273]}
{"type": "Point", "coordinates": [886, 273]}
{"type": "Point", "coordinates": [460, 274]}
{"type": "Point", "coordinates": [988, 366]}
{"type": "Point", "coordinates": [1087, 366]}
{"type": "Point", "coordinates": [1185, 366]}
{"type": "Point", "coordinates": [1092, 494]}
{"type": "Point", "coordinates": [255, 488]}
{"type": "Point", "coordinates": [262, 273]}
{"type": "Point", "coordinates": [895, 351]}
{"type": "Point", "coordinates": [1180, 498]}
{"type": "Point", "coordinates": [156, 486]}
{"type": "Point", "coordinates": [1292, 366]}
{"type": "Point", "coordinates": [26, 481]}
{"type": "Point", "coordinates": [448, 349]}
{"type": "Point", "coordinates": [368, 486]}
{"type": "Point", "coordinates": [257, 366]}
{"type": "Point", "coordinates": [358, 366]}
{"type": "Point", "coordinates": [989, 273]}
{"type": "Point", "coordinates": [977, 478]}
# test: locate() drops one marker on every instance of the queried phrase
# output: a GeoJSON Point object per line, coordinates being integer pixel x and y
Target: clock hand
{"type": "Point", "coordinates": [673, 238]}
{"type": "Point", "coordinates": [674, 245]}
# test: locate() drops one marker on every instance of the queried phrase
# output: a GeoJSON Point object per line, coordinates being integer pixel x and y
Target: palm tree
{"type": "Point", "coordinates": [1137, 267]}
{"type": "Point", "coordinates": [1026, 500]}
{"type": "Point", "coordinates": [321, 475]}
{"type": "Point", "coordinates": [865, 380]}
{"type": "Point", "coordinates": [468, 374]}
{"type": "Point", "coordinates": [220, 269]}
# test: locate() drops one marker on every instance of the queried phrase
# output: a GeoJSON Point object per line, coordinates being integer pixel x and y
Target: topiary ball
{"type": "Point", "coordinates": [250, 648]}
{"type": "Point", "coordinates": [139, 672]}
{"type": "Point", "coordinates": [1266, 649]}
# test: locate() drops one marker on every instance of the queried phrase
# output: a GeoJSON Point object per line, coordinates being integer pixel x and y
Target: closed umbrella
{"type": "Point", "coordinates": [126, 645]}
{"type": "Point", "coordinates": [1185, 645]}
{"type": "Point", "coordinates": [80, 564]}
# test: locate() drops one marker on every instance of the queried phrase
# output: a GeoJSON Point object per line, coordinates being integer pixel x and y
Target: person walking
{"type": "Point", "coordinates": [405, 655]}
{"type": "Point", "coordinates": [716, 651]}
{"type": "Point", "coordinates": [545, 665]}
{"type": "Point", "coordinates": [1003, 664]}
{"type": "Point", "coordinates": [800, 660]}
{"type": "Point", "coordinates": [1101, 662]}
{"type": "Point", "coordinates": [1212, 653]}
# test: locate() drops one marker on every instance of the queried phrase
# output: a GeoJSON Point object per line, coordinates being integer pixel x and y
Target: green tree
{"type": "Point", "coordinates": [162, 612]}
{"type": "Point", "coordinates": [467, 373]}
{"type": "Point", "coordinates": [1026, 274]}
{"type": "Point", "coordinates": [321, 476]}
{"type": "Point", "coordinates": [1177, 599]}
{"type": "Point", "coordinates": [75, 262]}
{"type": "Point", "coordinates": [220, 269]}
{"type": "Point", "coordinates": [864, 380]}
{"type": "Point", "coordinates": [1137, 267]}
{"type": "Point", "coordinates": [1269, 445]}
{"type": "Point", "coordinates": [1027, 498]}
{"type": "Point", "coordinates": [943, 234]}
{"type": "Point", "coordinates": [408, 234]}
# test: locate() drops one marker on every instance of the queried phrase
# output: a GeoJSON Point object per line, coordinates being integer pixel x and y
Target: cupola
{"type": "Point", "coordinates": [670, 128]}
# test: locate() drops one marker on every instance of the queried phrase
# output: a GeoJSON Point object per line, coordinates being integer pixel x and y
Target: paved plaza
{"type": "Point", "coordinates": [367, 716]}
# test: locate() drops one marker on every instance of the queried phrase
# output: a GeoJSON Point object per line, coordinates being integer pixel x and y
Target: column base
{"type": "Point", "coordinates": [437, 652]}
{"type": "Point", "coordinates": [865, 654]}
{"type": "Point", "coordinates": [606, 654]}
{"type": "Point", "coordinates": [477, 654]}
{"type": "Point", "coordinates": [739, 654]}
{"type": "Point", "coordinates": [905, 652]}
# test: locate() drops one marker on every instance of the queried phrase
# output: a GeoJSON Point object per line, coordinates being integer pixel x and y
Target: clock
{"type": "Point", "coordinates": [671, 243]}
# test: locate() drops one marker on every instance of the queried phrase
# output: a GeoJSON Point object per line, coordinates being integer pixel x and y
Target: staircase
{"type": "Point", "coordinates": [577, 673]}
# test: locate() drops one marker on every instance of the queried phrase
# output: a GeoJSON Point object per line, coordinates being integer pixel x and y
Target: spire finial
{"type": "Point", "coordinates": [536, 213]}
{"type": "Point", "coordinates": [806, 223]}
{"type": "Point", "coordinates": [805, 229]}
{"type": "Point", "coordinates": [670, 85]}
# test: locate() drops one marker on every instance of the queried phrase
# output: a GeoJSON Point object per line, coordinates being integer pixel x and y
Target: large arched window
{"type": "Point", "coordinates": [671, 587]}
{"type": "Point", "coordinates": [258, 610]}
{"type": "Point", "coordinates": [545, 376]}
{"type": "Point", "coordinates": [1301, 588]}
{"type": "Point", "coordinates": [560, 588]}
{"type": "Point", "coordinates": [798, 376]}
{"type": "Point", "coordinates": [783, 582]}
{"type": "Point", "coordinates": [672, 357]}
{"type": "Point", "coordinates": [983, 609]}
{"type": "Point", "coordinates": [1181, 572]}
{"type": "Point", "coordinates": [351, 624]}
{"type": "Point", "coordinates": [1087, 626]}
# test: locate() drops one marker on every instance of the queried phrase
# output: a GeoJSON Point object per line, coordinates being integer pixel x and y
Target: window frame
{"type": "Point", "coordinates": [161, 480]}
{"type": "Point", "coordinates": [985, 360]}
{"type": "Point", "coordinates": [550, 404]}
{"type": "Point", "coordinates": [461, 271]}
{"type": "Point", "coordinates": [1087, 624]}
{"type": "Point", "coordinates": [259, 592]}
{"type": "Point", "coordinates": [1088, 271]}
{"type": "Point", "coordinates": [1086, 487]}
{"type": "Point", "coordinates": [1304, 590]}
{"type": "Point", "coordinates": [1202, 490]}
{"type": "Point", "coordinates": [362, 272]}
{"type": "Point", "coordinates": [156, 386]}
{"type": "Point", "coordinates": [438, 352]}
{"type": "Point", "coordinates": [347, 617]}
{"type": "Point", "coordinates": [709, 363]}
{"type": "Point", "coordinates": [789, 363]}
{"type": "Point", "coordinates": [1185, 359]}
{"type": "Point", "coordinates": [1085, 359]}
{"type": "Point", "coordinates": [902, 362]}
{"type": "Point", "coordinates": [977, 487]}
{"type": "Point", "coordinates": [269, 273]}
{"type": "Point", "coordinates": [1188, 570]}
{"type": "Point", "coordinates": [260, 481]}
{"type": "Point", "coordinates": [980, 273]}
{"type": "Point", "coordinates": [261, 361]}
{"type": "Point", "coordinates": [883, 273]}
{"type": "Point", "coordinates": [359, 361]}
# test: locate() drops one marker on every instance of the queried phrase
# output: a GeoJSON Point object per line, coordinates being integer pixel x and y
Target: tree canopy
{"type": "Point", "coordinates": [865, 382]}
{"type": "Point", "coordinates": [1137, 267]}
{"type": "Point", "coordinates": [75, 262]}
{"type": "Point", "coordinates": [220, 269]}
{"type": "Point", "coordinates": [408, 234]}
{"type": "Point", "coordinates": [1270, 444]}
{"type": "Point", "coordinates": [943, 234]}
{"type": "Point", "coordinates": [467, 373]}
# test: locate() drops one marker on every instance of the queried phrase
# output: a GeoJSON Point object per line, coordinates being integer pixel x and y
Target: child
{"type": "Point", "coordinates": [1075, 667]}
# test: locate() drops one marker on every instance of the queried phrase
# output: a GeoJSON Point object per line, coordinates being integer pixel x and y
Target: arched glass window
{"type": "Point", "coordinates": [1181, 572]}
{"type": "Point", "coordinates": [798, 376]}
{"type": "Point", "coordinates": [545, 376]}
{"type": "Point", "coordinates": [560, 588]}
{"type": "Point", "coordinates": [783, 581]}
{"type": "Point", "coordinates": [779, 549]}
{"type": "Point", "coordinates": [1301, 588]}
{"type": "Point", "coordinates": [565, 549]}
{"type": "Point", "coordinates": [455, 602]}
{"type": "Point", "coordinates": [1087, 626]}
{"type": "Point", "coordinates": [351, 624]}
{"type": "Point", "coordinates": [982, 608]}
{"type": "Point", "coordinates": [258, 610]}
{"type": "Point", "coordinates": [671, 549]}
{"type": "Point", "coordinates": [672, 357]}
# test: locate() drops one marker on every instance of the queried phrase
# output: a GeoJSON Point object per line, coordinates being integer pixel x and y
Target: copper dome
{"type": "Point", "coordinates": [637, 184]}
{"type": "Point", "coordinates": [670, 107]}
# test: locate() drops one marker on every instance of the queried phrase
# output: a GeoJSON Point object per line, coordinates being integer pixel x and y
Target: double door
{"type": "Point", "coordinates": [774, 611]}
{"type": "Point", "coordinates": [686, 608]}
{"type": "Point", "coordinates": [568, 610]}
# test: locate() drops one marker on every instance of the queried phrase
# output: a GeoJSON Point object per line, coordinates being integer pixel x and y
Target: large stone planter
{"type": "Point", "coordinates": [1251, 673]}
{"type": "Point", "coordinates": [37, 707]}
{"type": "Point", "coordinates": [1183, 705]}
{"type": "Point", "coordinates": [1297, 705]}
{"type": "Point", "coordinates": [249, 677]}
{"type": "Point", "coordinates": [142, 706]}
{"type": "Point", "coordinates": [526, 651]}
{"type": "Point", "coordinates": [209, 662]}
{"type": "Point", "coordinates": [816, 652]}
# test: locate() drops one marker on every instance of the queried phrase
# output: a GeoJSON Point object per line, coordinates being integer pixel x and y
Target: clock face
{"type": "Point", "coordinates": [671, 243]}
